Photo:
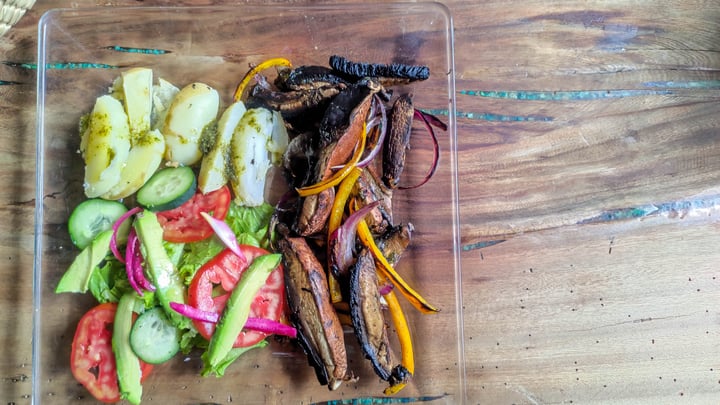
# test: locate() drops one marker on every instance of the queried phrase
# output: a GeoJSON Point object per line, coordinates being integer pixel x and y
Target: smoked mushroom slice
{"type": "Point", "coordinates": [403, 72]}
{"type": "Point", "coordinates": [312, 312]}
{"type": "Point", "coordinates": [397, 140]}
{"type": "Point", "coordinates": [295, 103]}
{"type": "Point", "coordinates": [316, 209]}
{"type": "Point", "coordinates": [308, 77]}
{"type": "Point", "coordinates": [369, 189]}
{"type": "Point", "coordinates": [367, 316]}
{"type": "Point", "coordinates": [395, 241]}
{"type": "Point", "coordinates": [348, 110]}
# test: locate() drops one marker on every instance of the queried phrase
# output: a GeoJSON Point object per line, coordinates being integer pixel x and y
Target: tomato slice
{"type": "Point", "coordinates": [213, 282]}
{"type": "Point", "coordinates": [92, 360]}
{"type": "Point", "coordinates": [184, 224]}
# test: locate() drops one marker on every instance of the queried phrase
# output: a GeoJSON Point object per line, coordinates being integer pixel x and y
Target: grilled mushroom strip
{"type": "Point", "coordinates": [348, 110]}
{"type": "Point", "coordinates": [397, 140]}
{"type": "Point", "coordinates": [367, 315]}
{"type": "Point", "coordinates": [308, 77]}
{"type": "Point", "coordinates": [299, 159]}
{"type": "Point", "coordinates": [393, 70]}
{"type": "Point", "coordinates": [294, 103]}
{"type": "Point", "coordinates": [368, 189]}
{"type": "Point", "coordinates": [337, 235]}
{"type": "Point", "coordinates": [316, 208]}
{"type": "Point", "coordinates": [312, 312]}
{"type": "Point", "coordinates": [315, 212]}
{"type": "Point", "coordinates": [395, 241]}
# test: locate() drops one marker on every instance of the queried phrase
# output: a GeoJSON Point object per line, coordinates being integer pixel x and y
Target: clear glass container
{"type": "Point", "coordinates": [81, 51]}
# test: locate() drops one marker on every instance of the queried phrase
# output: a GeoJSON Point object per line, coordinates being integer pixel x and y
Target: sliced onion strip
{"type": "Point", "coordinates": [380, 120]}
{"type": "Point", "coordinates": [225, 234]}
{"type": "Point", "coordinates": [429, 121]}
{"type": "Point", "coordinates": [270, 327]}
{"type": "Point", "coordinates": [342, 241]}
{"type": "Point", "coordinates": [136, 264]}
{"type": "Point", "coordinates": [115, 227]}
{"type": "Point", "coordinates": [385, 289]}
{"type": "Point", "coordinates": [129, 261]}
{"type": "Point", "coordinates": [257, 324]}
{"type": "Point", "coordinates": [195, 313]}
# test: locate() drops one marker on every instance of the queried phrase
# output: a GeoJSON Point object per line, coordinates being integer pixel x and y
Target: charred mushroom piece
{"type": "Point", "coordinates": [308, 77]}
{"type": "Point", "coordinates": [348, 110]}
{"type": "Point", "coordinates": [395, 241]}
{"type": "Point", "coordinates": [397, 140]}
{"type": "Point", "coordinates": [312, 312]}
{"type": "Point", "coordinates": [393, 70]}
{"type": "Point", "coordinates": [299, 159]}
{"type": "Point", "coordinates": [369, 190]}
{"type": "Point", "coordinates": [316, 208]}
{"type": "Point", "coordinates": [315, 212]}
{"type": "Point", "coordinates": [294, 103]}
{"type": "Point", "coordinates": [367, 316]}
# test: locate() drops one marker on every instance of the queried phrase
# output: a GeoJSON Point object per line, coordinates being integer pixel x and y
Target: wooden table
{"type": "Point", "coordinates": [589, 153]}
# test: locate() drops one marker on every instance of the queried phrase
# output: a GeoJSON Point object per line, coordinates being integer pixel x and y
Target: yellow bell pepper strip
{"type": "Point", "coordinates": [252, 72]}
{"type": "Point", "coordinates": [341, 197]}
{"type": "Point", "coordinates": [338, 176]}
{"type": "Point", "coordinates": [338, 208]}
{"type": "Point", "coordinates": [403, 332]}
{"type": "Point", "coordinates": [334, 287]}
{"type": "Point", "coordinates": [388, 271]}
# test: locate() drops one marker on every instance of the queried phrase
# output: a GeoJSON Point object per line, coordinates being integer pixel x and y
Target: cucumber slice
{"type": "Point", "coordinates": [153, 338]}
{"type": "Point", "coordinates": [168, 188]}
{"type": "Point", "coordinates": [91, 217]}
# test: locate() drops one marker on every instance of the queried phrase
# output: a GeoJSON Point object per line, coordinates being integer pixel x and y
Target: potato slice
{"type": "Point", "coordinates": [279, 139]}
{"type": "Point", "coordinates": [137, 90]}
{"type": "Point", "coordinates": [249, 157]}
{"type": "Point", "coordinates": [213, 170]}
{"type": "Point", "coordinates": [143, 160]}
{"type": "Point", "coordinates": [107, 140]}
{"type": "Point", "coordinates": [193, 108]}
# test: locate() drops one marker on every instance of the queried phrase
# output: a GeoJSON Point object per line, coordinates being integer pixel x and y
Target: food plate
{"type": "Point", "coordinates": [81, 51]}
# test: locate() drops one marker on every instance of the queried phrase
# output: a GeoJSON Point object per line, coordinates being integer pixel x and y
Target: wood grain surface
{"type": "Point", "coordinates": [589, 161]}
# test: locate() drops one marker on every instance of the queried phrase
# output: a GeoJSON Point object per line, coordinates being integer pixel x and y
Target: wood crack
{"type": "Point", "coordinates": [633, 321]}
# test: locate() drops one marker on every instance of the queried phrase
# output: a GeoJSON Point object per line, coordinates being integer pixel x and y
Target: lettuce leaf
{"type": "Point", "coordinates": [190, 339]}
{"type": "Point", "coordinates": [250, 225]}
{"type": "Point", "coordinates": [195, 255]}
{"type": "Point", "coordinates": [108, 282]}
{"type": "Point", "coordinates": [233, 355]}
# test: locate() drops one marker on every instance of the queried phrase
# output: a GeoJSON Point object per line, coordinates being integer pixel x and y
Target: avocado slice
{"type": "Point", "coordinates": [237, 311]}
{"type": "Point", "coordinates": [77, 276]}
{"type": "Point", "coordinates": [126, 361]}
{"type": "Point", "coordinates": [169, 286]}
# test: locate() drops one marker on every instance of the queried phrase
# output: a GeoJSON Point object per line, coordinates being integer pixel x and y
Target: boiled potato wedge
{"type": "Point", "coordinates": [213, 170]}
{"type": "Point", "coordinates": [106, 146]}
{"type": "Point", "coordinates": [192, 110]}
